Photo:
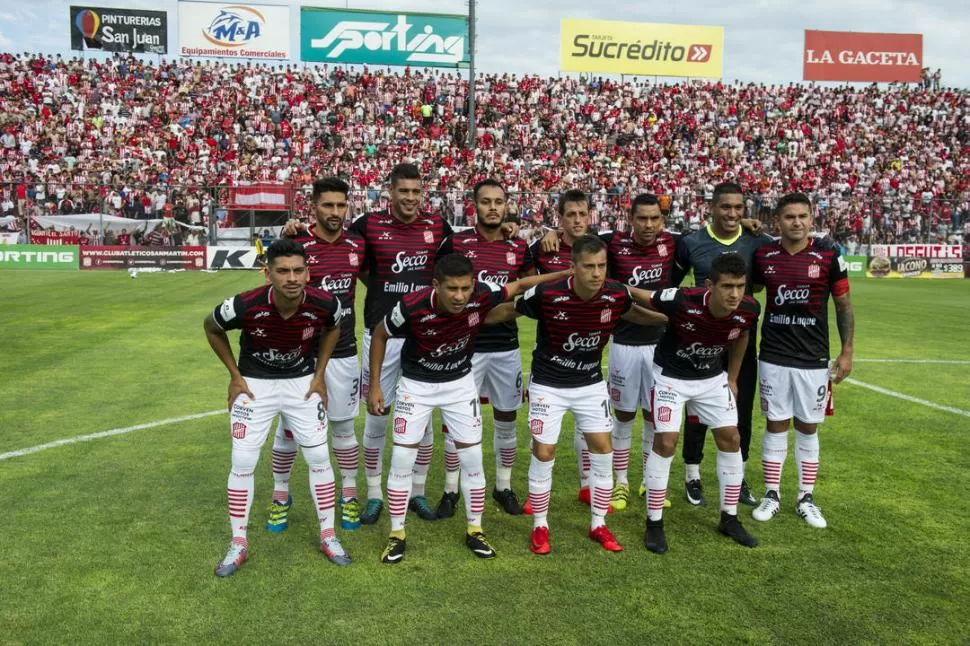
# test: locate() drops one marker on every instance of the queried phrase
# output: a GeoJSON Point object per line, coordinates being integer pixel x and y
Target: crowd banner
{"type": "Point", "coordinates": [856, 266]}
{"type": "Point", "coordinates": [55, 237]}
{"type": "Point", "coordinates": [863, 57]}
{"type": "Point", "coordinates": [116, 257]}
{"type": "Point", "coordinates": [231, 258]}
{"type": "Point", "coordinates": [641, 48]}
{"type": "Point", "coordinates": [119, 30]}
{"type": "Point", "coordinates": [915, 261]}
{"type": "Point", "coordinates": [383, 38]}
{"type": "Point", "coordinates": [209, 29]}
{"type": "Point", "coordinates": [30, 256]}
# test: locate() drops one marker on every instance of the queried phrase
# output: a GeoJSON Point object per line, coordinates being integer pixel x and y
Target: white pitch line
{"type": "Point", "coordinates": [910, 398]}
{"type": "Point", "coordinates": [108, 433]}
{"type": "Point", "coordinates": [955, 362]}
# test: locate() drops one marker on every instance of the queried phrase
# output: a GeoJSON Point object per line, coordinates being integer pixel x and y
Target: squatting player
{"type": "Point", "coordinates": [280, 371]}
{"type": "Point", "coordinates": [497, 362]}
{"type": "Point", "coordinates": [799, 272]}
{"type": "Point", "coordinates": [334, 258]}
{"type": "Point", "coordinates": [704, 323]}
{"type": "Point", "coordinates": [439, 325]}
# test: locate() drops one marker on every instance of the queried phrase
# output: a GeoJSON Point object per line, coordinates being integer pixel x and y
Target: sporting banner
{"type": "Point", "coordinates": [116, 257]}
{"type": "Point", "coordinates": [641, 48]}
{"type": "Point", "coordinates": [856, 266]}
{"type": "Point", "coordinates": [30, 256]}
{"type": "Point", "coordinates": [382, 38]}
{"type": "Point", "coordinates": [864, 57]}
{"type": "Point", "coordinates": [231, 258]}
{"type": "Point", "coordinates": [915, 261]}
{"type": "Point", "coordinates": [234, 30]}
{"type": "Point", "coordinates": [119, 30]}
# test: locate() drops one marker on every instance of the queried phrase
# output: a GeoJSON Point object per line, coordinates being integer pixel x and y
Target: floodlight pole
{"type": "Point", "coordinates": [471, 73]}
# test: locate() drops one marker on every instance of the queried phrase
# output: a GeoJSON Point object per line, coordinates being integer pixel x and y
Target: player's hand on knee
{"type": "Point", "coordinates": [318, 386]}
{"type": "Point", "coordinates": [842, 368]}
{"type": "Point", "coordinates": [375, 401]}
{"type": "Point", "coordinates": [238, 387]}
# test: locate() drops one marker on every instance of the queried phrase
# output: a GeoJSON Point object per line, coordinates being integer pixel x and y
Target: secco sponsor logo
{"type": "Point", "coordinates": [798, 295]}
{"type": "Point", "coordinates": [403, 262]}
{"type": "Point", "coordinates": [642, 276]}
{"type": "Point", "coordinates": [451, 348]}
{"type": "Point", "coordinates": [577, 341]}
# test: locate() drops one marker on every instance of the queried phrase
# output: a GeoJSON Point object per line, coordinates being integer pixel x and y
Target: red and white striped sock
{"type": "Point", "coordinates": [284, 454]}
{"type": "Point", "coordinates": [774, 451]}
{"type": "Point", "coordinates": [622, 441]}
{"type": "Point", "coordinates": [473, 483]}
{"type": "Point", "coordinates": [540, 490]}
{"type": "Point", "coordinates": [423, 462]}
{"type": "Point", "coordinates": [347, 452]}
{"type": "Point", "coordinates": [239, 492]}
{"type": "Point", "coordinates": [582, 458]}
{"type": "Point", "coordinates": [601, 486]}
{"type": "Point", "coordinates": [375, 431]}
{"type": "Point", "coordinates": [322, 485]}
{"type": "Point", "coordinates": [504, 441]}
{"type": "Point", "coordinates": [806, 455]}
{"type": "Point", "coordinates": [646, 446]}
{"type": "Point", "coordinates": [730, 473]}
{"type": "Point", "coordinates": [657, 477]}
{"type": "Point", "coordinates": [399, 478]}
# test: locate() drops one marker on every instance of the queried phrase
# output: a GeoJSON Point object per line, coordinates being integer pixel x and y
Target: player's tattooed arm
{"type": "Point", "coordinates": [378, 347]}
{"type": "Point", "coordinates": [642, 316]}
{"type": "Point", "coordinates": [502, 313]}
{"type": "Point", "coordinates": [219, 343]}
{"type": "Point", "coordinates": [845, 321]}
{"type": "Point", "coordinates": [735, 358]}
{"type": "Point", "coordinates": [522, 285]}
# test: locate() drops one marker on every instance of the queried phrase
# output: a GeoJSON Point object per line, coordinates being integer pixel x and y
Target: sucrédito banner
{"type": "Point", "coordinates": [119, 30]}
{"type": "Point", "coordinates": [234, 30]}
{"type": "Point", "coordinates": [383, 38]}
{"type": "Point", "coordinates": [915, 261]}
{"type": "Point", "coordinates": [641, 48]}
{"type": "Point", "coordinates": [859, 56]}
{"type": "Point", "coordinates": [116, 257]}
{"type": "Point", "coordinates": [31, 256]}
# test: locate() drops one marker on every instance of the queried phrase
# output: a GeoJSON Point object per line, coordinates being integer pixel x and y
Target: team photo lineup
{"type": "Point", "coordinates": [439, 334]}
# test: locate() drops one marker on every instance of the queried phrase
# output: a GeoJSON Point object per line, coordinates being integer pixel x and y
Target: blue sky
{"type": "Point", "coordinates": [763, 38]}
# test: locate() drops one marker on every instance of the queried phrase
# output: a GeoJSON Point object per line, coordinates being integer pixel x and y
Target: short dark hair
{"type": "Point", "coordinates": [486, 182]}
{"type": "Point", "coordinates": [329, 185]}
{"type": "Point", "coordinates": [587, 244]}
{"type": "Point", "coordinates": [731, 264]}
{"type": "Point", "coordinates": [572, 195]}
{"type": "Point", "coordinates": [726, 188]}
{"type": "Point", "coordinates": [453, 265]}
{"type": "Point", "coordinates": [792, 198]}
{"type": "Point", "coordinates": [643, 199]}
{"type": "Point", "coordinates": [284, 247]}
{"type": "Point", "coordinates": [405, 171]}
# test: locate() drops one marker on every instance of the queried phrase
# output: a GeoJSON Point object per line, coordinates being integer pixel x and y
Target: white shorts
{"type": "Point", "coordinates": [709, 399]}
{"type": "Point", "coordinates": [498, 376]}
{"type": "Point", "coordinates": [787, 392]}
{"type": "Point", "coordinates": [631, 376]}
{"type": "Point", "coordinates": [590, 406]}
{"type": "Point", "coordinates": [390, 369]}
{"type": "Point", "coordinates": [250, 419]}
{"type": "Point", "coordinates": [343, 388]}
{"type": "Point", "coordinates": [457, 400]}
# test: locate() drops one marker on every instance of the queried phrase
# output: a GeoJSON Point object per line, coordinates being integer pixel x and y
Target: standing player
{"type": "Point", "coordinates": [334, 258]}
{"type": "Point", "coordinates": [439, 325]}
{"type": "Point", "coordinates": [497, 362]}
{"type": "Point", "coordinates": [278, 373]}
{"type": "Point", "coordinates": [697, 251]}
{"type": "Point", "coordinates": [576, 317]}
{"type": "Point", "coordinates": [799, 273]}
{"type": "Point", "coordinates": [704, 324]}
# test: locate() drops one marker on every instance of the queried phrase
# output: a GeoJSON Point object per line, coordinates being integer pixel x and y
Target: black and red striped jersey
{"type": "Point", "coordinates": [647, 267]}
{"type": "Point", "coordinates": [498, 262]}
{"type": "Point", "coordinates": [333, 268]}
{"type": "Point", "coordinates": [694, 344]}
{"type": "Point", "coordinates": [271, 347]}
{"type": "Point", "coordinates": [438, 347]}
{"type": "Point", "coordinates": [399, 258]}
{"type": "Point", "coordinates": [550, 263]}
{"type": "Point", "coordinates": [572, 333]}
{"type": "Point", "coordinates": [795, 331]}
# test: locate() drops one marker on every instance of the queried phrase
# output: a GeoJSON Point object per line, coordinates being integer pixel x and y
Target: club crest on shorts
{"type": "Point", "coordinates": [663, 414]}
{"type": "Point", "coordinates": [535, 425]}
{"type": "Point", "coordinates": [400, 426]}
{"type": "Point", "coordinates": [510, 258]}
{"type": "Point", "coordinates": [662, 250]}
{"type": "Point", "coordinates": [606, 316]}
{"type": "Point", "coordinates": [814, 271]}
{"type": "Point", "coordinates": [473, 319]}
{"type": "Point", "coordinates": [733, 334]}
{"type": "Point", "coordinates": [428, 237]}
{"type": "Point", "coordinates": [238, 430]}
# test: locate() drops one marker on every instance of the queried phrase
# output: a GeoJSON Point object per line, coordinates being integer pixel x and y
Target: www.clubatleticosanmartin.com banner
{"type": "Point", "coordinates": [915, 261]}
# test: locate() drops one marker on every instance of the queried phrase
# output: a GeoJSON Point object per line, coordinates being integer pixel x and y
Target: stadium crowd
{"type": "Point", "coordinates": [142, 138]}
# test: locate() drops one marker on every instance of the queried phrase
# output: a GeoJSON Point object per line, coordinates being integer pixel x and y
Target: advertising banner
{"type": "Point", "coordinates": [641, 48]}
{"type": "Point", "coordinates": [115, 257]}
{"type": "Point", "coordinates": [55, 237]}
{"type": "Point", "coordinates": [119, 30]}
{"type": "Point", "coordinates": [381, 38]}
{"type": "Point", "coordinates": [9, 238]}
{"type": "Point", "coordinates": [915, 261]}
{"type": "Point", "coordinates": [231, 258]}
{"type": "Point", "coordinates": [865, 57]}
{"type": "Point", "coordinates": [234, 30]}
{"type": "Point", "coordinates": [30, 256]}
{"type": "Point", "coordinates": [856, 266]}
